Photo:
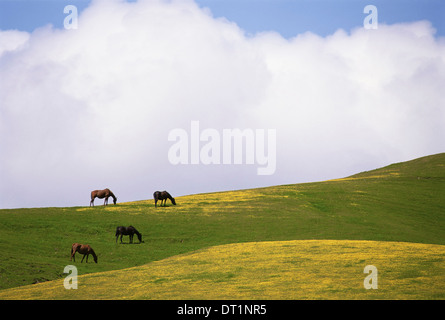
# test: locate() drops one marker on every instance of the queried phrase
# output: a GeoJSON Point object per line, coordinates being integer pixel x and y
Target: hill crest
{"type": "Point", "coordinates": [432, 166]}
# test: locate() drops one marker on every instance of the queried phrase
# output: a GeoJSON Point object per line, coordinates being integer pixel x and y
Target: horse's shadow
{"type": "Point", "coordinates": [131, 242]}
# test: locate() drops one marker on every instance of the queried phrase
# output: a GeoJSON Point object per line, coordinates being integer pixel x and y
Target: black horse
{"type": "Point", "coordinates": [163, 196]}
{"type": "Point", "coordinates": [128, 231]}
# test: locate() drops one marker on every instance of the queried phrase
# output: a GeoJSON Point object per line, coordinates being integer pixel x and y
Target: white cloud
{"type": "Point", "coordinates": [92, 107]}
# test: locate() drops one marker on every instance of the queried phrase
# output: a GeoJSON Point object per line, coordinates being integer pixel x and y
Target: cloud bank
{"type": "Point", "coordinates": [92, 107]}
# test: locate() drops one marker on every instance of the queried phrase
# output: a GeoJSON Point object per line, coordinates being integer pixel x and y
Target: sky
{"type": "Point", "coordinates": [114, 97]}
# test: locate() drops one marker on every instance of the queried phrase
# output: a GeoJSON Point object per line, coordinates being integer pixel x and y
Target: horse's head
{"type": "Point", "coordinates": [140, 237]}
{"type": "Point", "coordinates": [114, 200]}
{"type": "Point", "coordinates": [95, 259]}
{"type": "Point", "coordinates": [173, 201]}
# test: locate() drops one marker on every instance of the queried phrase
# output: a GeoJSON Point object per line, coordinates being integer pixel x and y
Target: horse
{"type": "Point", "coordinates": [106, 193]}
{"type": "Point", "coordinates": [84, 249]}
{"type": "Point", "coordinates": [163, 196]}
{"type": "Point", "coordinates": [128, 231]}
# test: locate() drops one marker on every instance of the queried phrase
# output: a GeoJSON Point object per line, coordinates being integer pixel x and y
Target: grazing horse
{"type": "Point", "coordinates": [106, 193]}
{"type": "Point", "coordinates": [163, 196]}
{"type": "Point", "coordinates": [84, 249]}
{"type": "Point", "coordinates": [128, 231]}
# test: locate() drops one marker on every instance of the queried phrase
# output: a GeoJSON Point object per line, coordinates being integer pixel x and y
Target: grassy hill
{"type": "Point", "coordinates": [287, 270]}
{"type": "Point", "coordinates": [400, 203]}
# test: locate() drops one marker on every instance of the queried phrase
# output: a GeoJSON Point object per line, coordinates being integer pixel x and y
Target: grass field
{"type": "Point", "coordinates": [298, 269]}
{"type": "Point", "coordinates": [401, 208]}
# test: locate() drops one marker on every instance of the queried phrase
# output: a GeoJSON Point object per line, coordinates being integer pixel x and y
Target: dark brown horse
{"type": "Point", "coordinates": [84, 249]}
{"type": "Point", "coordinates": [106, 193]}
{"type": "Point", "coordinates": [128, 231]}
{"type": "Point", "coordinates": [163, 196]}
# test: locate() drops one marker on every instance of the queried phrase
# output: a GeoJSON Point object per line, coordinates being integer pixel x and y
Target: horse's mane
{"type": "Point", "coordinates": [135, 231]}
{"type": "Point", "coordinates": [168, 195]}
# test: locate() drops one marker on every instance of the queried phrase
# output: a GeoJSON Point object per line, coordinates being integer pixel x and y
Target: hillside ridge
{"type": "Point", "coordinates": [432, 166]}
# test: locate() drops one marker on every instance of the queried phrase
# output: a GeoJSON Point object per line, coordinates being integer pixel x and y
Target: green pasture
{"type": "Point", "coordinates": [400, 203]}
{"type": "Point", "coordinates": [286, 270]}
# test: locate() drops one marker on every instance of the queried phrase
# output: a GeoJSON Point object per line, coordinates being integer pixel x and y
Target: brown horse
{"type": "Point", "coordinates": [84, 249]}
{"type": "Point", "coordinates": [106, 193]}
{"type": "Point", "coordinates": [163, 196]}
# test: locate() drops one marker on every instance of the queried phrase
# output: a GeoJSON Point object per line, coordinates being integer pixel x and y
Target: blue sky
{"type": "Point", "coordinates": [288, 17]}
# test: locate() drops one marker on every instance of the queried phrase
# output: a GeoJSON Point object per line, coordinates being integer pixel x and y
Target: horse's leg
{"type": "Point", "coordinates": [121, 236]}
{"type": "Point", "coordinates": [106, 201]}
{"type": "Point", "coordinates": [131, 238]}
{"type": "Point", "coordinates": [82, 258]}
{"type": "Point", "coordinates": [73, 255]}
{"type": "Point", "coordinates": [92, 202]}
{"type": "Point", "coordinates": [156, 201]}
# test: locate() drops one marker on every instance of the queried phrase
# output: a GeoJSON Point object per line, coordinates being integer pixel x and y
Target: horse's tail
{"type": "Point", "coordinates": [73, 251]}
{"type": "Point", "coordinates": [156, 197]}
